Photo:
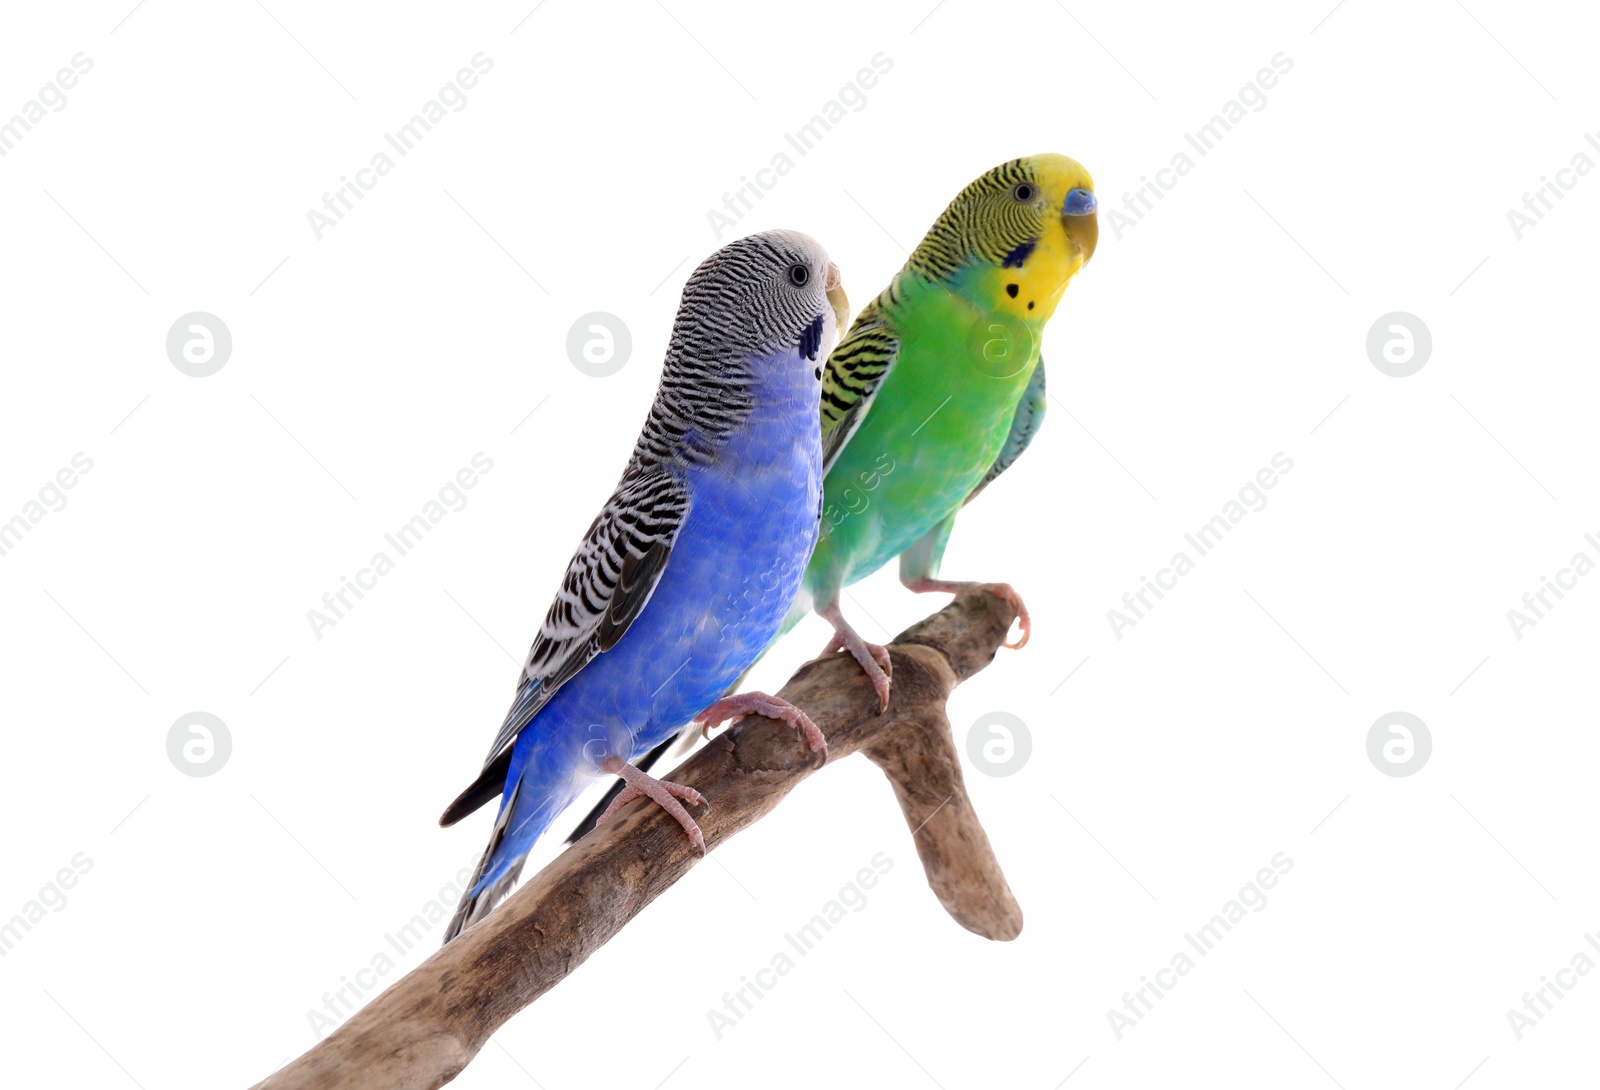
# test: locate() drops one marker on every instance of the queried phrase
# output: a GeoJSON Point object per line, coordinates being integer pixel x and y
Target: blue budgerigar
{"type": "Point", "coordinates": [686, 573]}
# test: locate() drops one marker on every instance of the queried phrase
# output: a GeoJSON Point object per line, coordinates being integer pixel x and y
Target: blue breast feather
{"type": "Point", "coordinates": [734, 569]}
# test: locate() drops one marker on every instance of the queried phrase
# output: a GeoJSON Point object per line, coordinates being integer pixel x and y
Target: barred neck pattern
{"type": "Point", "coordinates": [982, 222]}
{"type": "Point", "coordinates": [739, 309]}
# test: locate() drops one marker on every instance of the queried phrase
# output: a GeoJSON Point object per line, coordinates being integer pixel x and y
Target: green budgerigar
{"type": "Point", "coordinates": [938, 387]}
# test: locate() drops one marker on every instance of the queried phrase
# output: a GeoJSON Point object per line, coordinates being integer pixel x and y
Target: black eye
{"type": "Point", "coordinates": [1023, 192]}
{"type": "Point", "coordinates": [798, 275]}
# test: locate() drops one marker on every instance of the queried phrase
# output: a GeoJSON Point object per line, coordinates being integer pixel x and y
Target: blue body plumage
{"type": "Point", "coordinates": [688, 572]}
{"type": "Point", "coordinates": [736, 565]}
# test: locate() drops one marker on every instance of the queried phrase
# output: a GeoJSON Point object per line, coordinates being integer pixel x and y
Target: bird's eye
{"type": "Point", "coordinates": [1023, 192]}
{"type": "Point", "coordinates": [798, 275]}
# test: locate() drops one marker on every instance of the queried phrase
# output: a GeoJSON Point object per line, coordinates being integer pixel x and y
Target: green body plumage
{"type": "Point", "coordinates": [930, 437]}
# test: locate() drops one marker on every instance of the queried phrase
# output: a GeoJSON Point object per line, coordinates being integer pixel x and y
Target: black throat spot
{"type": "Point", "coordinates": [811, 339]}
{"type": "Point", "coordinates": [1016, 257]}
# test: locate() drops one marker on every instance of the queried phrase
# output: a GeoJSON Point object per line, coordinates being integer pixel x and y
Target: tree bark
{"type": "Point", "coordinates": [420, 1032]}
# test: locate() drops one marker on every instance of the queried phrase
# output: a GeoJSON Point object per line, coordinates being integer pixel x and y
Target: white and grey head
{"type": "Point", "coordinates": [768, 301]}
{"type": "Point", "coordinates": [757, 297]}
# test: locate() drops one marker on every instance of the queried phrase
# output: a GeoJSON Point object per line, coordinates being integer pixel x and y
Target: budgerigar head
{"type": "Point", "coordinates": [1031, 223]}
{"type": "Point", "coordinates": [761, 297]}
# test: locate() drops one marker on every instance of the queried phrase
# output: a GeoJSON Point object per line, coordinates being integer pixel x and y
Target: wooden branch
{"type": "Point", "coordinates": [428, 1025]}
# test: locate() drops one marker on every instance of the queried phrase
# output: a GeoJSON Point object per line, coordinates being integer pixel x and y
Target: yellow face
{"type": "Point", "coordinates": [1062, 199]}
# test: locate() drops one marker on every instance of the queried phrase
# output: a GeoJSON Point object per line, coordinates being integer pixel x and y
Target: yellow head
{"type": "Point", "coordinates": [1019, 233]}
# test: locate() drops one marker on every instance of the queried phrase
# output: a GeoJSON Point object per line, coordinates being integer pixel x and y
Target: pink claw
{"type": "Point", "coordinates": [1003, 591]}
{"type": "Point", "coordinates": [732, 707]}
{"type": "Point", "coordinates": [873, 658]}
{"type": "Point", "coordinates": [665, 794]}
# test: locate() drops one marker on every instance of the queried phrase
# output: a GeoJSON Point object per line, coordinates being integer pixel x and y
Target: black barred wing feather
{"type": "Point", "coordinates": [608, 583]}
{"type": "Point", "coordinates": [854, 372]}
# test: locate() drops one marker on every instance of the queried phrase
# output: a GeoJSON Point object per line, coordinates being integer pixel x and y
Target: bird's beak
{"type": "Point", "coordinates": [1080, 221]}
{"type": "Point", "coordinates": [836, 298]}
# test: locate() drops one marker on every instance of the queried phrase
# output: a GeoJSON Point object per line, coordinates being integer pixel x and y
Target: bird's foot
{"type": "Point", "coordinates": [874, 658]}
{"type": "Point", "coordinates": [1004, 591]}
{"type": "Point", "coordinates": [732, 707]}
{"type": "Point", "coordinates": [665, 794]}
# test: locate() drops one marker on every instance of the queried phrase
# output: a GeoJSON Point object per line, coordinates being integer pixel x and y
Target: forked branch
{"type": "Point", "coordinates": [428, 1025]}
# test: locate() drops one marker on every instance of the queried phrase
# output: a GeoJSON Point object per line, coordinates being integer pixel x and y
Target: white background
{"type": "Point", "coordinates": [1228, 725]}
